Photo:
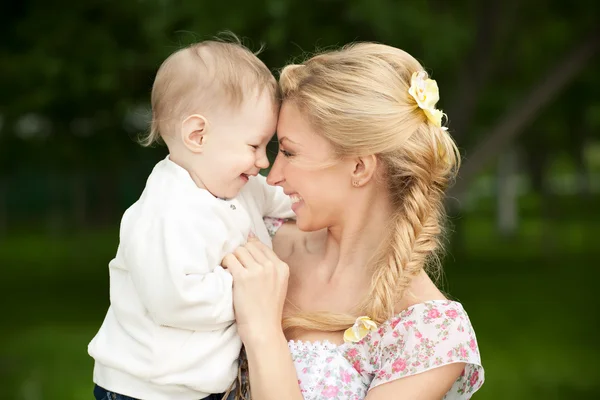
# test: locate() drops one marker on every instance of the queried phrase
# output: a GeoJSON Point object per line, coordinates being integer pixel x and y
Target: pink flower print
{"type": "Point", "coordinates": [408, 324]}
{"type": "Point", "coordinates": [450, 353]}
{"type": "Point", "coordinates": [473, 345]}
{"type": "Point", "coordinates": [357, 367]}
{"type": "Point", "coordinates": [395, 334]}
{"type": "Point", "coordinates": [463, 352]}
{"type": "Point", "coordinates": [330, 391]}
{"type": "Point", "coordinates": [327, 374]}
{"type": "Point", "coordinates": [395, 322]}
{"type": "Point", "coordinates": [380, 331]}
{"type": "Point", "coordinates": [304, 370]}
{"type": "Point", "coordinates": [399, 365]}
{"type": "Point", "coordinates": [346, 377]}
{"type": "Point", "coordinates": [433, 313]}
{"type": "Point", "coordinates": [452, 313]}
{"type": "Point", "coordinates": [418, 335]}
{"type": "Point", "coordinates": [352, 353]}
{"type": "Point", "coordinates": [474, 378]}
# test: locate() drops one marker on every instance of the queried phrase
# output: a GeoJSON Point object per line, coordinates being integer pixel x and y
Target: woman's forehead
{"type": "Point", "coordinates": [292, 125]}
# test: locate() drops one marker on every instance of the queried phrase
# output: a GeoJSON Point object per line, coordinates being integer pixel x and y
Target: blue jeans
{"type": "Point", "coordinates": [103, 394]}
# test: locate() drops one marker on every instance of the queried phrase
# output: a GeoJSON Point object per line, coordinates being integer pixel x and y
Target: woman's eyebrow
{"type": "Point", "coordinates": [285, 138]}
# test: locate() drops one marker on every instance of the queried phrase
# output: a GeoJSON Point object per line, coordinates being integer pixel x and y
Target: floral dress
{"type": "Point", "coordinates": [425, 336]}
{"type": "Point", "coordinates": [420, 338]}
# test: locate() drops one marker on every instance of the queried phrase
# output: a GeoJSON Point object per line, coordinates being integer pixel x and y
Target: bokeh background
{"type": "Point", "coordinates": [518, 80]}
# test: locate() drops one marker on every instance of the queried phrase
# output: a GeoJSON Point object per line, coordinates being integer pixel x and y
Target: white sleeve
{"type": "Point", "coordinates": [177, 273]}
{"type": "Point", "coordinates": [276, 204]}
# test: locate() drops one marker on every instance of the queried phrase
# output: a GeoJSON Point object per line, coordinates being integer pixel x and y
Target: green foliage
{"type": "Point", "coordinates": [76, 74]}
{"type": "Point", "coordinates": [530, 299]}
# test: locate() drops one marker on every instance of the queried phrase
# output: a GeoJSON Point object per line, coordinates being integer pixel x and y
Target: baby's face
{"type": "Point", "coordinates": [236, 146]}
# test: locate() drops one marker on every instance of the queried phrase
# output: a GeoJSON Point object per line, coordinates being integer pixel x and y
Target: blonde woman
{"type": "Point", "coordinates": [366, 159]}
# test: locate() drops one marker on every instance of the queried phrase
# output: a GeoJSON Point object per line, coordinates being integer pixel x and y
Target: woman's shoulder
{"type": "Point", "coordinates": [438, 316]}
{"type": "Point", "coordinates": [424, 336]}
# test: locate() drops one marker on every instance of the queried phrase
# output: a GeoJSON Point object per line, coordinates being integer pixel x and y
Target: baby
{"type": "Point", "coordinates": [169, 332]}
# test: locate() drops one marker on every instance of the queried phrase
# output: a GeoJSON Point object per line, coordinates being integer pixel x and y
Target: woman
{"type": "Point", "coordinates": [366, 161]}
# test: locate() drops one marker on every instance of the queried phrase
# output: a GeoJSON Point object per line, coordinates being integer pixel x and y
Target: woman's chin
{"type": "Point", "coordinates": [303, 224]}
{"type": "Point", "coordinates": [307, 225]}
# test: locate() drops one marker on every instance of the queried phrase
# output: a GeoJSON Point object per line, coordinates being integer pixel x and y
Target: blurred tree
{"type": "Point", "coordinates": [78, 68]}
{"type": "Point", "coordinates": [78, 75]}
{"type": "Point", "coordinates": [550, 43]}
{"type": "Point", "coordinates": [523, 113]}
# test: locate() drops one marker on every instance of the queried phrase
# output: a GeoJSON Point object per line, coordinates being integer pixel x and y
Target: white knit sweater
{"type": "Point", "coordinates": [169, 332]}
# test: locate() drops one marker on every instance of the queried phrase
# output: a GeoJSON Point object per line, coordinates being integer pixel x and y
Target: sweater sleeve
{"type": "Point", "coordinates": [177, 272]}
{"type": "Point", "coordinates": [275, 203]}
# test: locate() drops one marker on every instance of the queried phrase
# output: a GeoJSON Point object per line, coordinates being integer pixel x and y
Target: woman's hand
{"type": "Point", "coordinates": [260, 282]}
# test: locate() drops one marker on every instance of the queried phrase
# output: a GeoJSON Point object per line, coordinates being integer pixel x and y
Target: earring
{"type": "Point", "coordinates": [355, 183]}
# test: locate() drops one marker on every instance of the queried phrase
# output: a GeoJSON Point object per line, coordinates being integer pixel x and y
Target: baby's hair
{"type": "Point", "coordinates": [203, 76]}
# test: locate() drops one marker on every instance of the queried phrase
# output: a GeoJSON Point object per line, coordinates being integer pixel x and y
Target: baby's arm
{"type": "Point", "coordinates": [177, 273]}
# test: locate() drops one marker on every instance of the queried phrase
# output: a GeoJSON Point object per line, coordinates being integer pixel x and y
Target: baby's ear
{"type": "Point", "coordinates": [193, 132]}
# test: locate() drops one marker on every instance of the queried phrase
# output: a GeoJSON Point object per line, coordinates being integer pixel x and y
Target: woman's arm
{"type": "Point", "coordinates": [429, 385]}
{"type": "Point", "coordinates": [259, 289]}
{"type": "Point", "coordinates": [272, 372]}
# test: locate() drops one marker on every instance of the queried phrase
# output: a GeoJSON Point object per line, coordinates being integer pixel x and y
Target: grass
{"type": "Point", "coordinates": [531, 299]}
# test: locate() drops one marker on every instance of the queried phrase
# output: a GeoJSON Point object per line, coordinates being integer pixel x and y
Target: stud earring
{"type": "Point", "coordinates": [355, 183]}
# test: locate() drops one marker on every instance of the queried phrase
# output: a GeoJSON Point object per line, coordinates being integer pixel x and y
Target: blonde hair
{"type": "Point", "coordinates": [357, 98]}
{"type": "Point", "coordinates": [208, 74]}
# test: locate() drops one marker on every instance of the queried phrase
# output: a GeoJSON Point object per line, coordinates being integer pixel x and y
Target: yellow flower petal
{"type": "Point", "coordinates": [426, 93]}
{"type": "Point", "coordinates": [349, 336]}
{"type": "Point", "coordinates": [432, 94]}
{"type": "Point", "coordinates": [359, 330]}
{"type": "Point", "coordinates": [434, 116]}
{"type": "Point", "coordinates": [367, 322]}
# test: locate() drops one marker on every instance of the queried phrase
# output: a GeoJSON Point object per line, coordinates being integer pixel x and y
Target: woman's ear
{"type": "Point", "coordinates": [364, 170]}
{"type": "Point", "coordinates": [194, 132]}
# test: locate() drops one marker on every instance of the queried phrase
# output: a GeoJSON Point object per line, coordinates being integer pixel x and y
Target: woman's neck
{"type": "Point", "coordinates": [351, 245]}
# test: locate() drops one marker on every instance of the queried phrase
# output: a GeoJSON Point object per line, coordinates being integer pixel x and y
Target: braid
{"type": "Point", "coordinates": [414, 239]}
{"type": "Point", "coordinates": [417, 180]}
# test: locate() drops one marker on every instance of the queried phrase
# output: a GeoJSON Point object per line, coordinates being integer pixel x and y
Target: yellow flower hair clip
{"type": "Point", "coordinates": [359, 330]}
{"type": "Point", "coordinates": [425, 91]}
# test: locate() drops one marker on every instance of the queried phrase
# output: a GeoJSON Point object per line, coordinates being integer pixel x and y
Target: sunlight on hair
{"type": "Point", "coordinates": [358, 99]}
